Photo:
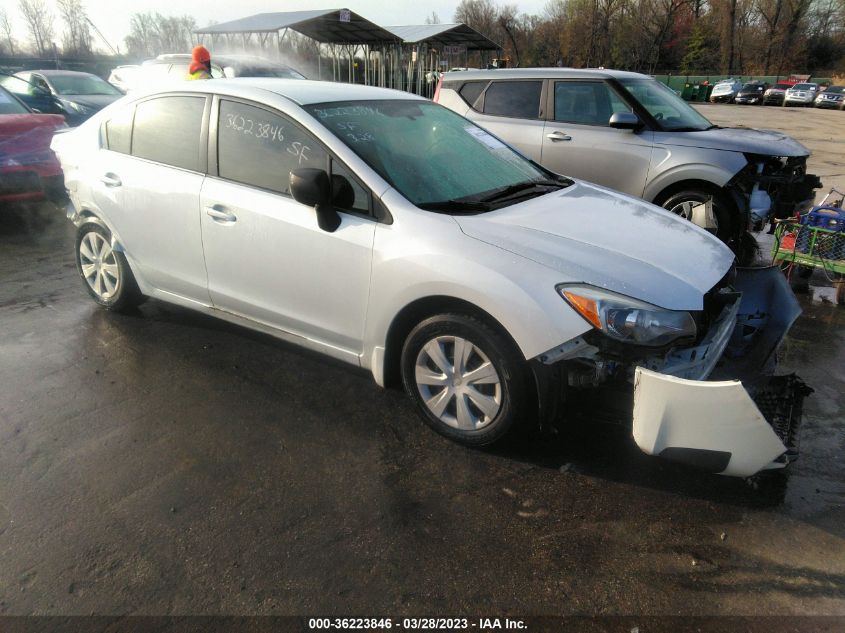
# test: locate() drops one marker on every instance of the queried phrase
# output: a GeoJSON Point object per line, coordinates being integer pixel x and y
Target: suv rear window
{"type": "Point", "coordinates": [517, 99]}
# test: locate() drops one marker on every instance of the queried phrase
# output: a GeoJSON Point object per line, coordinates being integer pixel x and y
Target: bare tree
{"type": "Point", "coordinates": [728, 10]}
{"type": "Point", "coordinates": [77, 35]}
{"type": "Point", "coordinates": [509, 23]}
{"type": "Point", "coordinates": [482, 15]}
{"type": "Point", "coordinates": [39, 22]}
{"type": "Point", "coordinates": [6, 27]}
{"type": "Point", "coordinates": [142, 40]}
{"type": "Point", "coordinates": [433, 18]}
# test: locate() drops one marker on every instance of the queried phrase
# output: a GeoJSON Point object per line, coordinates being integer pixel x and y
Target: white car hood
{"type": "Point", "coordinates": [597, 236]}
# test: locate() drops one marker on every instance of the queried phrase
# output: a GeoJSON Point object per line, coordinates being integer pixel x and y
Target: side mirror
{"type": "Point", "coordinates": [625, 121]}
{"type": "Point", "coordinates": [312, 187]}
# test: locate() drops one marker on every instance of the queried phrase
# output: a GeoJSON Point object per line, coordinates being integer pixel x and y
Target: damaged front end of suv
{"type": "Point", "coordinates": [774, 187]}
{"type": "Point", "coordinates": [697, 387]}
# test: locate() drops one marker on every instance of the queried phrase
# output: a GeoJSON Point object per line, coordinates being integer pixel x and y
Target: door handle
{"type": "Point", "coordinates": [557, 135]}
{"type": "Point", "coordinates": [110, 180]}
{"type": "Point", "coordinates": [220, 214]}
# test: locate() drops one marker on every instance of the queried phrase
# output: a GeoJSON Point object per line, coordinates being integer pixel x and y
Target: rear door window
{"type": "Point", "coordinates": [515, 99]}
{"type": "Point", "coordinates": [168, 130]}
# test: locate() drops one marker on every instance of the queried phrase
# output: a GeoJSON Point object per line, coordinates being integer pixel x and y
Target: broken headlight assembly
{"type": "Point", "coordinates": [628, 320]}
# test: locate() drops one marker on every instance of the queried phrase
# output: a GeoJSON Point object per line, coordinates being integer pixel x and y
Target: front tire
{"type": "Point", "coordinates": [105, 271]}
{"type": "Point", "coordinates": [467, 380]}
{"type": "Point", "coordinates": [682, 202]}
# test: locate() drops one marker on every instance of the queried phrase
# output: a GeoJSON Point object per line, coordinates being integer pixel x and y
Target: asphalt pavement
{"type": "Point", "coordinates": [164, 462]}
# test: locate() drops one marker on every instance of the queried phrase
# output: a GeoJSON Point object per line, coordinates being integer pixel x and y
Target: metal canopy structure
{"type": "Point", "coordinates": [334, 26]}
{"type": "Point", "coordinates": [403, 57]}
{"type": "Point", "coordinates": [444, 35]}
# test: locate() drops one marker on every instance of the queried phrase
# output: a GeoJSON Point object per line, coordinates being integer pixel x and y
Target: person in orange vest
{"type": "Point", "coordinates": [200, 67]}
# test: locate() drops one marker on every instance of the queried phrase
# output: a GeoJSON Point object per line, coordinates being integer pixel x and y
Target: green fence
{"type": "Point", "coordinates": [679, 82]}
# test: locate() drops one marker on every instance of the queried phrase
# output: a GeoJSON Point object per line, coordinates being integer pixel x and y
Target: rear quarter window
{"type": "Point", "coordinates": [471, 90]}
{"type": "Point", "coordinates": [117, 131]}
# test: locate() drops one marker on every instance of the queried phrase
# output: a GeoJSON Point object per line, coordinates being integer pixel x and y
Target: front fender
{"type": "Point", "coordinates": [517, 292]}
{"type": "Point", "coordinates": [672, 165]}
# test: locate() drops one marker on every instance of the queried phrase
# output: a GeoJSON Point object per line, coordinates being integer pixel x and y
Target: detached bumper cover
{"type": "Point", "coordinates": [712, 425]}
{"type": "Point", "coordinates": [718, 425]}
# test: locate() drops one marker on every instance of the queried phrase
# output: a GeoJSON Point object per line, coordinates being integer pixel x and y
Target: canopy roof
{"type": "Point", "coordinates": [443, 35]}
{"type": "Point", "coordinates": [331, 26]}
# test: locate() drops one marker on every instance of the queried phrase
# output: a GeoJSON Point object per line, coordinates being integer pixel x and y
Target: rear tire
{"type": "Point", "coordinates": [105, 271]}
{"type": "Point", "coordinates": [467, 379]}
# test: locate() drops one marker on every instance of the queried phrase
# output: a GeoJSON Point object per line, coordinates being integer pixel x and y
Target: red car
{"type": "Point", "coordinates": [29, 169]}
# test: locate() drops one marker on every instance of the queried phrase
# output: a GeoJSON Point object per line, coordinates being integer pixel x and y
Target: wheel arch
{"type": "Point", "coordinates": [87, 216]}
{"type": "Point", "coordinates": [415, 312]}
{"type": "Point", "coordinates": [690, 183]}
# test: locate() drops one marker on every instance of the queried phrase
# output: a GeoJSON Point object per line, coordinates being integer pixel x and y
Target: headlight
{"type": "Point", "coordinates": [78, 107]}
{"type": "Point", "coordinates": [626, 319]}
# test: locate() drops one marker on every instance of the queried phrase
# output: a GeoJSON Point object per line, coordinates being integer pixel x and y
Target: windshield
{"type": "Point", "coordinates": [750, 87]}
{"type": "Point", "coordinates": [82, 85]}
{"type": "Point", "coordinates": [835, 89]}
{"type": "Point", "coordinates": [803, 86]}
{"type": "Point", "coordinates": [10, 105]}
{"type": "Point", "coordinates": [428, 153]}
{"type": "Point", "coordinates": [782, 86]}
{"type": "Point", "coordinates": [670, 111]}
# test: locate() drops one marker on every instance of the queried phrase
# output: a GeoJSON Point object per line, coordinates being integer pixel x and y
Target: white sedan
{"type": "Point", "coordinates": [386, 231]}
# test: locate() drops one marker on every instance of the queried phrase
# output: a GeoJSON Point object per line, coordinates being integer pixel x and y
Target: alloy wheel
{"type": "Point", "coordinates": [99, 266]}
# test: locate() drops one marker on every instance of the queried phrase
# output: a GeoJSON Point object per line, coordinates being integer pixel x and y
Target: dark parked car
{"type": "Point", "coordinates": [752, 93]}
{"type": "Point", "coordinates": [833, 97]}
{"type": "Point", "coordinates": [776, 94]}
{"type": "Point", "coordinates": [28, 168]}
{"type": "Point", "coordinates": [80, 94]}
{"type": "Point", "coordinates": [37, 99]}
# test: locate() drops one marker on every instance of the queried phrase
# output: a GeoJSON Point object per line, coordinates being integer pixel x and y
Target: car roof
{"type": "Point", "coordinates": [300, 91]}
{"type": "Point", "coordinates": [542, 73]}
{"type": "Point", "coordinates": [227, 59]}
{"type": "Point", "coordinates": [61, 73]}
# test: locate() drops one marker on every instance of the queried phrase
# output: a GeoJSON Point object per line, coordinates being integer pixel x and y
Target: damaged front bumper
{"type": "Point", "coordinates": [737, 426]}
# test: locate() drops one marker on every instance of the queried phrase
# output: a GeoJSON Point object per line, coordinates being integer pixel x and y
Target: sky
{"type": "Point", "coordinates": [114, 22]}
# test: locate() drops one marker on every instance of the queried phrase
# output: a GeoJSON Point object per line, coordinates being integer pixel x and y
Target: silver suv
{"type": "Point", "coordinates": [628, 132]}
{"type": "Point", "coordinates": [801, 95]}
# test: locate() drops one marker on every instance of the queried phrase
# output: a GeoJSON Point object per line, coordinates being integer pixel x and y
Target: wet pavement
{"type": "Point", "coordinates": [167, 463]}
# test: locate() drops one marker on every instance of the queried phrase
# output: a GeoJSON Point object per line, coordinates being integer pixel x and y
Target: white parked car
{"type": "Point", "coordinates": [384, 230]}
{"type": "Point", "coordinates": [725, 91]}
